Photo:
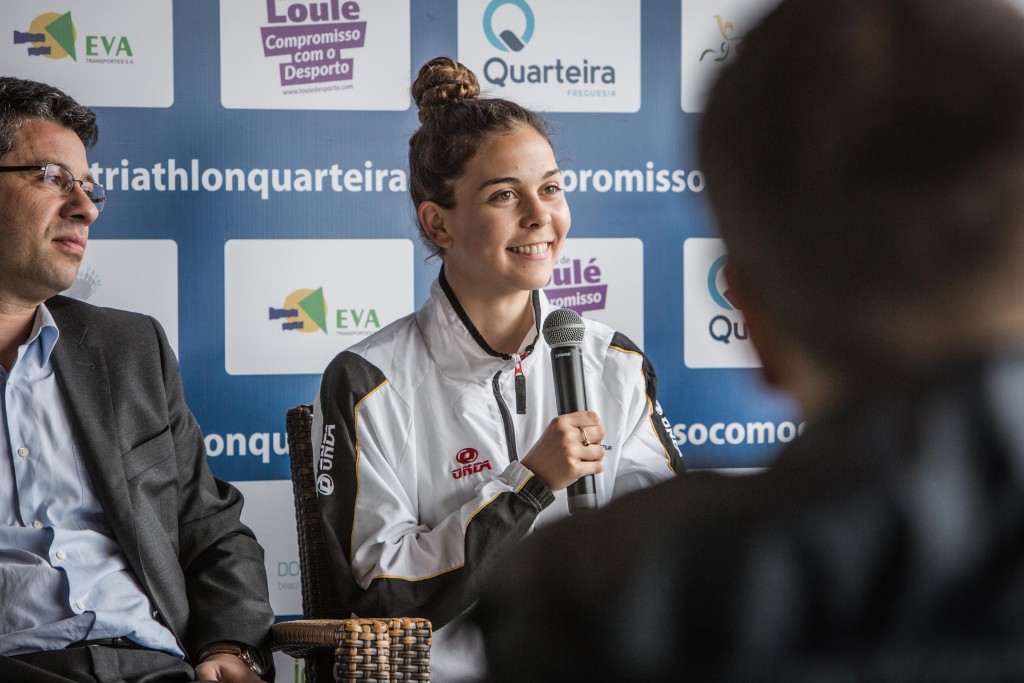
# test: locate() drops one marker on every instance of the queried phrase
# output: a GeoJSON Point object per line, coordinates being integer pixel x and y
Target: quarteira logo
{"type": "Point", "coordinates": [507, 40]}
{"type": "Point", "coordinates": [49, 35]}
{"type": "Point", "coordinates": [304, 310]}
{"type": "Point", "coordinates": [717, 287]}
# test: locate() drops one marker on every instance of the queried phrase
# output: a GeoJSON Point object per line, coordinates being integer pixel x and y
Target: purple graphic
{"type": "Point", "coordinates": [20, 38]}
{"type": "Point", "coordinates": [316, 48]}
{"type": "Point", "coordinates": [577, 287]}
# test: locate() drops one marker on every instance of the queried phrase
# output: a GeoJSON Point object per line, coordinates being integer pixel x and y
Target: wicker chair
{"type": "Point", "coordinates": [336, 648]}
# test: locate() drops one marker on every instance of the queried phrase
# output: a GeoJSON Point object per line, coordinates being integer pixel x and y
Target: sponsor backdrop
{"type": "Point", "coordinates": [254, 153]}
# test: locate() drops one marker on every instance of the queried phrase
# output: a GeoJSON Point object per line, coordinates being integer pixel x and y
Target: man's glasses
{"type": "Point", "coordinates": [61, 180]}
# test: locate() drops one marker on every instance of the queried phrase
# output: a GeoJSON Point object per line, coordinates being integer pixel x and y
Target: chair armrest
{"type": "Point", "coordinates": [400, 646]}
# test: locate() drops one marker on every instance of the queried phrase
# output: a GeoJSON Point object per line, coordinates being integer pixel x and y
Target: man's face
{"type": "Point", "coordinates": [42, 231]}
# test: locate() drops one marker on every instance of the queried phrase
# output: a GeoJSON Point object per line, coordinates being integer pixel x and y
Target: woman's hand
{"type": "Point", "coordinates": [568, 449]}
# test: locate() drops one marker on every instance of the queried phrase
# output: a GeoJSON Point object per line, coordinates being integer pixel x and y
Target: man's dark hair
{"type": "Point", "coordinates": [21, 99]}
{"type": "Point", "coordinates": [865, 158]}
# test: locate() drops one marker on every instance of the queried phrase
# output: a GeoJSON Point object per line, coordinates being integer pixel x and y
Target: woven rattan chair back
{"type": "Point", "coordinates": [320, 598]}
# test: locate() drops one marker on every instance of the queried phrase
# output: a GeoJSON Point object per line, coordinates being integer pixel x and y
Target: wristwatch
{"type": "Point", "coordinates": [247, 654]}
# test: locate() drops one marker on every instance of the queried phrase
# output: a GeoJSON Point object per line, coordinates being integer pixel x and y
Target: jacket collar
{"type": "Point", "coordinates": [453, 340]}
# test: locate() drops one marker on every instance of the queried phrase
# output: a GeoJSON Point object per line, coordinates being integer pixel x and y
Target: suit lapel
{"type": "Point", "coordinates": [85, 384]}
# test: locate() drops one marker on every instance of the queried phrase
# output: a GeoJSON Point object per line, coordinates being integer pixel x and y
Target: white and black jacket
{"type": "Point", "coordinates": [420, 429]}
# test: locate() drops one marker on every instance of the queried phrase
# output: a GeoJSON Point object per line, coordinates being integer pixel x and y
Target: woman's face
{"type": "Point", "coordinates": [510, 217]}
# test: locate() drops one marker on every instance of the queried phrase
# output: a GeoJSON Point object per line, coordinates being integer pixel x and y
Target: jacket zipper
{"type": "Point", "coordinates": [520, 382]}
{"type": "Point", "coordinates": [506, 418]}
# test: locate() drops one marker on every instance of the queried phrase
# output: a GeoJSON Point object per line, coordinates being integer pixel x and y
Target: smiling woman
{"type": "Point", "coordinates": [446, 440]}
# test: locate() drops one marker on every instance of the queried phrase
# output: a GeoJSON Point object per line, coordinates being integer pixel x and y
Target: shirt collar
{"type": "Point", "coordinates": [45, 328]}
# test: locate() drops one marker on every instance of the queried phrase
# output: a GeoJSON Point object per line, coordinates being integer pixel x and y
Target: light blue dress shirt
{"type": "Point", "coordinates": [63, 577]}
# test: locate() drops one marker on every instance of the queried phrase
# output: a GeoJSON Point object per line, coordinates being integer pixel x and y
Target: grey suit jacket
{"type": "Point", "coordinates": [177, 524]}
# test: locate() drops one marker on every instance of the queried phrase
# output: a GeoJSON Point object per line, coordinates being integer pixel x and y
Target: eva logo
{"type": "Point", "coordinates": [53, 36]}
{"type": "Point", "coordinates": [576, 286]}
{"type": "Point", "coordinates": [50, 35]}
{"type": "Point", "coordinates": [304, 310]}
{"type": "Point", "coordinates": [467, 458]}
{"type": "Point", "coordinates": [506, 39]}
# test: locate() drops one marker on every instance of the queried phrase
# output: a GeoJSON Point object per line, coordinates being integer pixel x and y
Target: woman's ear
{"type": "Point", "coordinates": [432, 220]}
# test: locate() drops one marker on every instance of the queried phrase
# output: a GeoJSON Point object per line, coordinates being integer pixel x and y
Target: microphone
{"type": "Point", "coordinates": [563, 331]}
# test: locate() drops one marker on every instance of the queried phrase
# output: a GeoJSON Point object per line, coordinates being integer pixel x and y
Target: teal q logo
{"type": "Point", "coordinates": [718, 295]}
{"type": "Point", "coordinates": [506, 40]}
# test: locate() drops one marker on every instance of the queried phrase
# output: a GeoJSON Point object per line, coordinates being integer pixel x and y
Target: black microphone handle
{"type": "Point", "coordinates": [571, 397]}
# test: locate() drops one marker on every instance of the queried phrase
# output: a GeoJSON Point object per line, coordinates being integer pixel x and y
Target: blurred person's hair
{"type": "Point", "coordinates": [865, 161]}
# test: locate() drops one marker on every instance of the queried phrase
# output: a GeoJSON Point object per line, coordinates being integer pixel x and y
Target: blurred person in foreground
{"type": "Point", "coordinates": [865, 160]}
{"type": "Point", "coordinates": [121, 557]}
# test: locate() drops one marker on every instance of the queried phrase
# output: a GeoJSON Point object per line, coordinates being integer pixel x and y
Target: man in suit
{"type": "Point", "coordinates": [121, 556]}
{"type": "Point", "coordinates": [865, 161]}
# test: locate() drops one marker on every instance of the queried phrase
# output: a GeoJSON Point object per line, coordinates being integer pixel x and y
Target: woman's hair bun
{"type": "Point", "coordinates": [442, 82]}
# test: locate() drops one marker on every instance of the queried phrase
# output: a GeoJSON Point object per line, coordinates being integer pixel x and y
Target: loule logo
{"type": "Point", "coordinates": [467, 458]}
{"type": "Point", "coordinates": [53, 36]}
{"type": "Point", "coordinates": [304, 310]}
{"type": "Point", "coordinates": [507, 40]}
{"type": "Point", "coordinates": [576, 286]}
{"type": "Point", "coordinates": [315, 49]}
{"type": "Point", "coordinates": [722, 328]}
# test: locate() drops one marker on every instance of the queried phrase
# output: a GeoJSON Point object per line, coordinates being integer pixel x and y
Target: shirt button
{"type": "Point", "coordinates": [37, 524]}
{"type": "Point", "coordinates": [23, 452]}
{"type": "Point", "coordinates": [61, 555]}
{"type": "Point", "coordinates": [80, 606]}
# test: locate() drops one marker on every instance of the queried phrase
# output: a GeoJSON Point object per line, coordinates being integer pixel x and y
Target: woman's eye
{"type": "Point", "coordinates": [504, 196]}
{"type": "Point", "coordinates": [552, 189]}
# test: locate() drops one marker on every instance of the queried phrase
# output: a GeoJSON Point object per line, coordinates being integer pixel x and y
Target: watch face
{"type": "Point", "coordinates": [247, 657]}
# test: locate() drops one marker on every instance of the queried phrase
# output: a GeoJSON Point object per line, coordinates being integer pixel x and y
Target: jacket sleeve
{"type": "Point", "coordinates": [649, 455]}
{"type": "Point", "coordinates": [389, 562]}
{"type": "Point", "coordinates": [222, 563]}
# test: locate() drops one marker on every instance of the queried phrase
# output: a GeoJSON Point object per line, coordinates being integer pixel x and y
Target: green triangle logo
{"type": "Point", "coordinates": [63, 31]}
{"type": "Point", "coordinates": [316, 308]}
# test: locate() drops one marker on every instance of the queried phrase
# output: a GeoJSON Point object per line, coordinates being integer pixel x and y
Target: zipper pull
{"type": "Point", "coordinates": [520, 379]}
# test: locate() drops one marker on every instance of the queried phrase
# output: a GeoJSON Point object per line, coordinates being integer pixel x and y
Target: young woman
{"type": "Point", "coordinates": [439, 438]}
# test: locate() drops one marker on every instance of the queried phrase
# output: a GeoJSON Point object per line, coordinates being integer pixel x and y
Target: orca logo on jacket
{"type": "Point", "coordinates": [324, 482]}
{"type": "Point", "coordinates": [467, 457]}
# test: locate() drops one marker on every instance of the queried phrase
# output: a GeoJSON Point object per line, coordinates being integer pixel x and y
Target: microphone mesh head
{"type": "Point", "coordinates": [563, 327]}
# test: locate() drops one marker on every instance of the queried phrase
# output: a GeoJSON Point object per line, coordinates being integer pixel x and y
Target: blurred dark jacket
{"type": "Point", "coordinates": [887, 543]}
